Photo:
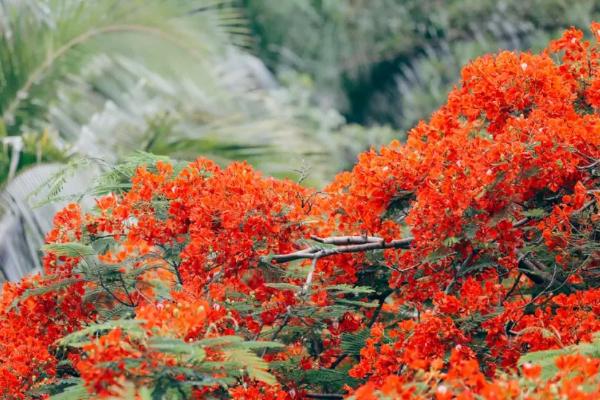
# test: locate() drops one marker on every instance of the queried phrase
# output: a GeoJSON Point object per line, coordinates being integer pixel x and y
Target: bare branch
{"type": "Point", "coordinates": [589, 166]}
{"type": "Point", "coordinates": [367, 243]}
{"type": "Point", "coordinates": [309, 277]}
{"type": "Point", "coordinates": [521, 222]}
{"type": "Point", "coordinates": [346, 240]}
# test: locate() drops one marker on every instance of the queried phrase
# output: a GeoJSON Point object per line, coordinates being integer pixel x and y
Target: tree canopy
{"type": "Point", "coordinates": [462, 263]}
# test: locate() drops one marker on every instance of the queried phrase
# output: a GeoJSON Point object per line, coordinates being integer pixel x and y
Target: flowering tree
{"type": "Point", "coordinates": [463, 263]}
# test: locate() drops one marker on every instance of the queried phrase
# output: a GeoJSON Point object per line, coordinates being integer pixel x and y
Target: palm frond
{"type": "Point", "coordinates": [43, 42]}
{"type": "Point", "coordinates": [22, 227]}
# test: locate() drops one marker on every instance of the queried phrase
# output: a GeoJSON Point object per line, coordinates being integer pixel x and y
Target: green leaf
{"type": "Point", "coordinates": [255, 366]}
{"type": "Point", "coordinates": [371, 304]}
{"type": "Point", "coordinates": [349, 289]}
{"type": "Point", "coordinates": [329, 377]}
{"type": "Point", "coordinates": [145, 393]}
{"type": "Point", "coordinates": [177, 346]}
{"type": "Point", "coordinates": [451, 241]}
{"type": "Point", "coordinates": [76, 339]}
{"type": "Point", "coordinates": [547, 358]}
{"type": "Point", "coordinates": [353, 343]}
{"type": "Point", "coordinates": [103, 244]}
{"type": "Point", "coordinates": [284, 286]}
{"type": "Point", "coordinates": [535, 213]}
{"type": "Point", "coordinates": [260, 345]}
{"type": "Point", "coordinates": [436, 256]}
{"type": "Point", "coordinates": [55, 387]}
{"type": "Point", "coordinates": [54, 287]}
{"type": "Point", "coordinates": [75, 392]}
{"type": "Point", "coordinates": [220, 341]}
{"type": "Point", "coordinates": [72, 249]}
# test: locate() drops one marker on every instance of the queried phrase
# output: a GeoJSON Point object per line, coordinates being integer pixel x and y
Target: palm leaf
{"type": "Point", "coordinates": [43, 42]}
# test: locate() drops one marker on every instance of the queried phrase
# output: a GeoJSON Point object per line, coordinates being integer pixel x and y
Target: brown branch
{"type": "Point", "coordinates": [127, 291]}
{"type": "Point", "coordinates": [359, 244]}
{"type": "Point", "coordinates": [531, 271]}
{"type": "Point", "coordinates": [309, 277]}
{"type": "Point", "coordinates": [521, 222]}
{"type": "Point", "coordinates": [111, 294]}
{"type": "Point", "coordinates": [346, 240]}
{"type": "Point", "coordinates": [539, 273]}
{"type": "Point", "coordinates": [589, 166]}
{"type": "Point", "coordinates": [513, 287]}
{"type": "Point", "coordinates": [586, 206]}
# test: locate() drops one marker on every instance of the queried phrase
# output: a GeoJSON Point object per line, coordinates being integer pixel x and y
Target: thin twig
{"type": "Point", "coordinates": [513, 287]}
{"type": "Point", "coordinates": [127, 291]}
{"type": "Point", "coordinates": [177, 273]}
{"type": "Point", "coordinates": [305, 289]}
{"type": "Point", "coordinates": [309, 277]}
{"type": "Point", "coordinates": [459, 271]}
{"type": "Point", "coordinates": [592, 165]}
{"type": "Point", "coordinates": [534, 299]}
{"type": "Point", "coordinates": [521, 222]}
{"type": "Point", "coordinates": [113, 295]}
{"type": "Point", "coordinates": [285, 321]}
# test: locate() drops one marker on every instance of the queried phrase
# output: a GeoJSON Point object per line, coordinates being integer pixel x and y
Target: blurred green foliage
{"type": "Point", "coordinates": [31, 148]}
{"type": "Point", "coordinates": [393, 61]}
{"type": "Point", "coordinates": [283, 84]}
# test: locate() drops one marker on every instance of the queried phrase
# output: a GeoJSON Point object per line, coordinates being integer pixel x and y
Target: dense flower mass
{"type": "Point", "coordinates": [463, 263]}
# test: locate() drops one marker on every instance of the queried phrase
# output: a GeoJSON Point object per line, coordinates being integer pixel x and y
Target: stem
{"type": "Point", "coordinates": [514, 286]}
{"type": "Point", "coordinates": [126, 291]}
{"type": "Point", "coordinates": [283, 324]}
{"type": "Point", "coordinates": [304, 291]}
{"type": "Point", "coordinates": [177, 273]}
{"type": "Point", "coordinates": [459, 271]}
{"type": "Point", "coordinates": [113, 295]}
{"type": "Point", "coordinates": [309, 277]}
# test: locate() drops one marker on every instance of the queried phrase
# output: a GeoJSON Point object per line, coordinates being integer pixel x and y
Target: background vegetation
{"type": "Point", "coordinates": [244, 79]}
